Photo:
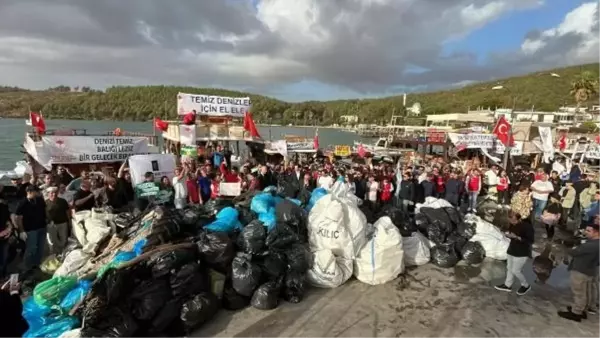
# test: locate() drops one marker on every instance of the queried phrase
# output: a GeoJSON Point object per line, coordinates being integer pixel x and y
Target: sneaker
{"type": "Point", "coordinates": [502, 287]}
{"type": "Point", "coordinates": [523, 290]}
{"type": "Point", "coordinates": [583, 314]}
{"type": "Point", "coordinates": [570, 316]}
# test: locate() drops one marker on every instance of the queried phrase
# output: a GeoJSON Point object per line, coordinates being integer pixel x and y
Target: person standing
{"type": "Point", "coordinates": [372, 192]}
{"type": "Point", "coordinates": [583, 267]}
{"type": "Point", "coordinates": [567, 197]}
{"type": "Point", "coordinates": [407, 192]}
{"type": "Point", "coordinates": [84, 199]}
{"type": "Point", "coordinates": [473, 183]}
{"type": "Point", "coordinates": [491, 182]}
{"type": "Point", "coordinates": [180, 191]}
{"type": "Point", "coordinates": [454, 190]}
{"type": "Point", "coordinates": [30, 219]}
{"type": "Point", "coordinates": [521, 234]}
{"type": "Point", "coordinates": [386, 191]}
{"type": "Point", "coordinates": [57, 215]}
{"type": "Point", "coordinates": [6, 229]}
{"type": "Point", "coordinates": [540, 189]}
{"type": "Point", "coordinates": [503, 189]}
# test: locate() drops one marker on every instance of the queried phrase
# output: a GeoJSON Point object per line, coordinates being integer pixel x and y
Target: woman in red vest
{"type": "Point", "coordinates": [473, 183]}
{"type": "Point", "coordinates": [503, 191]}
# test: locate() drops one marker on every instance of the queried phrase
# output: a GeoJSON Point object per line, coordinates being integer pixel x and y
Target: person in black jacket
{"type": "Point", "coordinates": [454, 190]}
{"type": "Point", "coordinates": [361, 185]}
{"type": "Point", "coordinates": [13, 323]}
{"type": "Point", "coordinates": [407, 192]}
{"type": "Point", "coordinates": [428, 187]}
{"type": "Point", "coordinates": [521, 234]}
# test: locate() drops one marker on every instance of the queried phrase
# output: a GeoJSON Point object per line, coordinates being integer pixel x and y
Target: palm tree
{"type": "Point", "coordinates": [584, 87]}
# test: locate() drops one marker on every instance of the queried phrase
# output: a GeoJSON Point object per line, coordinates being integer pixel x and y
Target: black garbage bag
{"type": "Point", "coordinates": [473, 253]}
{"type": "Point", "coordinates": [190, 279]}
{"type": "Point", "coordinates": [436, 232]}
{"type": "Point", "coordinates": [245, 216]}
{"type": "Point", "coordinates": [245, 276]}
{"type": "Point", "coordinates": [212, 207]}
{"type": "Point", "coordinates": [217, 250]}
{"type": "Point", "coordinates": [281, 237]}
{"type": "Point", "coordinates": [443, 255]}
{"type": "Point", "coordinates": [162, 263]}
{"type": "Point", "coordinates": [117, 284]}
{"type": "Point", "coordinates": [542, 265]}
{"type": "Point", "coordinates": [199, 310]}
{"type": "Point", "coordinates": [454, 216]}
{"type": "Point", "coordinates": [266, 297]}
{"type": "Point", "coordinates": [439, 216]}
{"type": "Point", "coordinates": [457, 241]}
{"type": "Point", "coordinates": [232, 300]}
{"type": "Point", "coordinates": [167, 319]}
{"type": "Point", "coordinates": [366, 210]}
{"type": "Point", "coordinates": [110, 322]}
{"type": "Point", "coordinates": [294, 216]}
{"type": "Point", "coordinates": [252, 238]}
{"type": "Point", "coordinates": [148, 298]}
{"type": "Point", "coordinates": [293, 286]}
{"type": "Point", "coordinates": [272, 265]}
{"type": "Point", "coordinates": [298, 257]}
{"type": "Point", "coordinates": [466, 229]}
{"type": "Point", "coordinates": [287, 188]}
{"type": "Point", "coordinates": [304, 196]}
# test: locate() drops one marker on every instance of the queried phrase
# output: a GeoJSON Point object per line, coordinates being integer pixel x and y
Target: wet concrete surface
{"type": "Point", "coordinates": [424, 301]}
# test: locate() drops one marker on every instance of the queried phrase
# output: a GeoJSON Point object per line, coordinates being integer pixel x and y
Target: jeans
{"type": "Point", "coordinates": [473, 200]}
{"type": "Point", "coordinates": [3, 257]}
{"type": "Point", "coordinates": [34, 249]}
{"type": "Point", "coordinates": [538, 208]}
{"type": "Point", "coordinates": [514, 268]}
{"type": "Point", "coordinates": [57, 235]}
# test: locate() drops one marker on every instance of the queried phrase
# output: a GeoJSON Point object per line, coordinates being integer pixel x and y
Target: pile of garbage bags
{"type": "Point", "coordinates": [168, 272]}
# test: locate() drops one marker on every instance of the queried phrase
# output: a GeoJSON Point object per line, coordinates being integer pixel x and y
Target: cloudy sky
{"type": "Point", "coordinates": [291, 49]}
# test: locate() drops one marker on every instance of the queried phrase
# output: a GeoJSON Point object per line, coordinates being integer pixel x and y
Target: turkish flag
{"type": "Point", "coordinates": [562, 141]}
{"type": "Point", "coordinates": [160, 124]}
{"type": "Point", "coordinates": [597, 139]}
{"type": "Point", "coordinates": [37, 121]}
{"type": "Point", "coordinates": [316, 140]}
{"type": "Point", "coordinates": [361, 150]}
{"type": "Point", "coordinates": [189, 118]}
{"type": "Point", "coordinates": [501, 131]}
{"type": "Point", "coordinates": [249, 125]}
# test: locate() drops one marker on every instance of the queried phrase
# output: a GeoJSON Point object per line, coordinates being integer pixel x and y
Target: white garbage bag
{"type": "Point", "coordinates": [341, 191]}
{"type": "Point", "coordinates": [96, 231]}
{"type": "Point", "coordinates": [72, 262]}
{"type": "Point", "coordinates": [338, 225]}
{"type": "Point", "coordinates": [78, 225]}
{"type": "Point", "coordinates": [75, 333]}
{"type": "Point", "coordinates": [490, 237]}
{"type": "Point", "coordinates": [382, 258]}
{"type": "Point", "coordinates": [432, 202]}
{"type": "Point", "coordinates": [416, 249]}
{"type": "Point", "coordinates": [328, 271]}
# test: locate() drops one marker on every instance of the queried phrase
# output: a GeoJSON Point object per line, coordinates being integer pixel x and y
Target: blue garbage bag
{"type": "Point", "coordinates": [138, 247]}
{"type": "Point", "coordinates": [226, 221]}
{"type": "Point", "coordinates": [315, 197]}
{"type": "Point", "coordinates": [31, 309]}
{"type": "Point", "coordinates": [261, 203]}
{"type": "Point", "coordinates": [123, 256]}
{"type": "Point", "coordinates": [270, 189]}
{"type": "Point", "coordinates": [75, 295]}
{"type": "Point", "coordinates": [268, 218]}
{"type": "Point", "coordinates": [54, 327]}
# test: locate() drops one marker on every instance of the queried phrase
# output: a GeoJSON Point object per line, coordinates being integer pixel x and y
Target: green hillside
{"type": "Point", "coordinates": [540, 89]}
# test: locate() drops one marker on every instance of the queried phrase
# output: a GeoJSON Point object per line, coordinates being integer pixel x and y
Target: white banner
{"type": "Point", "coordinates": [280, 146]}
{"type": "Point", "coordinates": [593, 151]}
{"type": "Point", "coordinates": [212, 105]}
{"type": "Point", "coordinates": [187, 135]}
{"type": "Point", "coordinates": [89, 149]}
{"type": "Point", "coordinates": [547, 144]}
{"type": "Point", "coordinates": [472, 140]}
{"type": "Point", "coordinates": [516, 150]}
{"type": "Point", "coordinates": [230, 189]}
{"type": "Point", "coordinates": [158, 164]}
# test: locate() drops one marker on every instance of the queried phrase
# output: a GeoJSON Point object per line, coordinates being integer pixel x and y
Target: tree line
{"type": "Point", "coordinates": [576, 85]}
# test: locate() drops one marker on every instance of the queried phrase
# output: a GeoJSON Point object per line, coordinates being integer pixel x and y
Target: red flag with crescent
{"type": "Point", "coordinates": [160, 124]}
{"type": "Point", "coordinates": [361, 151]}
{"type": "Point", "coordinates": [501, 131]}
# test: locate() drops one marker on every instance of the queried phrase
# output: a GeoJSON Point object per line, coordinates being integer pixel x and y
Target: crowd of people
{"type": "Point", "coordinates": [556, 196]}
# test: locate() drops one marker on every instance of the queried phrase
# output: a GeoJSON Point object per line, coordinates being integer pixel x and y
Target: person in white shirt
{"type": "Point", "coordinates": [372, 192]}
{"type": "Point", "coordinates": [491, 181]}
{"type": "Point", "coordinates": [325, 181]}
{"type": "Point", "coordinates": [180, 188]}
{"type": "Point", "coordinates": [540, 190]}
